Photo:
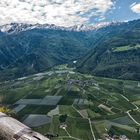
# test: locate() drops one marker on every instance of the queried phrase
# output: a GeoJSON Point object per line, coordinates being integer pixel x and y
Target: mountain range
{"type": "Point", "coordinates": [20, 27]}
{"type": "Point", "coordinates": [106, 49]}
{"type": "Point", "coordinates": [116, 52]}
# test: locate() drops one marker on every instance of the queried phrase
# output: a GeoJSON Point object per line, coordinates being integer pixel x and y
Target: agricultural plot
{"type": "Point", "coordinates": [34, 109]}
{"type": "Point", "coordinates": [19, 108]}
{"type": "Point", "coordinates": [69, 110]}
{"type": "Point", "coordinates": [66, 100]}
{"type": "Point", "coordinates": [92, 114]}
{"type": "Point", "coordinates": [10, 96]}
{"type": "Point", "coordinates": [39, 100]}
{"type": "Point", "coordinates": [29, 101]}
{"type": "Point", "coordinates": [125, 48]}
{"type": "Point", "coordinates": [53, 128]}
{"type": "Point", "coordinates": [35, 120]}
{"type": "Point", "coordinates": [48, 100]}
{"type": "Point", "coordinates": [137, 102]}
{"type": "Point", "coordinates": [136, 115]}
{"type": "Point", "coordinates": [121, 103]}
{"type": "Point", "coordinates": [79, 128]}
{"type": "Point", "coordinates": [125, 120]}
{"type": "Point", "coordinates": [84, 113]}
{"type": "Point", "coordinates": [106, 108]}
{"type": "Point", "coordinates": [54, 112]}
{"type": "Point", "coordinates": [38, 93]}
{"type": "Point", "coordinates": [103, 127]}
{"type": "Point", "coordinates": [51, 100]}
{"type": "Point", "coordinates": [121, 131]}
{"type": "Point", "coordinates": [80, 102]}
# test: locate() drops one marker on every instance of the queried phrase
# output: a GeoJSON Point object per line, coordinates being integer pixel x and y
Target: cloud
{"type": "Point", "coordinates": [59, 12]}
{"type": "Point", "coordinates": [135, 7]}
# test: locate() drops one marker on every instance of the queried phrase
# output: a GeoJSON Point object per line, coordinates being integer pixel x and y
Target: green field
{"type": "Point", "coordinates": [102, 100]}
{"type": "Point", "coordinates": [125, 48]}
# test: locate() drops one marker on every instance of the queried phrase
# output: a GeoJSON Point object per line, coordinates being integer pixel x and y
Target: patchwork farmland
{"type": "Point", "coordinates": [73, 106]}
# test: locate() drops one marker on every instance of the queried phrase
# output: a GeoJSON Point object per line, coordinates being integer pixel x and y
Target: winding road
{"type": "Point", "coordinates": [128, 112]}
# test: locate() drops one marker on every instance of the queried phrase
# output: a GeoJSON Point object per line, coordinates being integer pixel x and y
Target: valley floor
{"type": "Point", "coordinates": [68, 105]}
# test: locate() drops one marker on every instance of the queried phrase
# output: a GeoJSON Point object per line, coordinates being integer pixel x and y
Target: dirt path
{"type": "Point", "coordinates": [128, 112]}
{"type": "Point", "coordinates": [93, 135]}
{"type": "Point", "coordinates": [91, 129]}
{"type": "Point", "coordinates": [69, 136]}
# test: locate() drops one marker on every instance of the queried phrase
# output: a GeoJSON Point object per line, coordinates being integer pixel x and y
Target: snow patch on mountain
{"type": "Point", "coordinates": [20, 27]}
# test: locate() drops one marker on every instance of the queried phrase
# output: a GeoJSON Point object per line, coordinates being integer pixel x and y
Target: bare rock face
{"type": "Point", "coordinates": [11, 129]}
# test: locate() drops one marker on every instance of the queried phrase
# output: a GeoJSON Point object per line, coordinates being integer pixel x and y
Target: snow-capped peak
{"type": "Point", "coordinates": [19, 27]}
{"type": "Point", "coordinates": [15, 27]}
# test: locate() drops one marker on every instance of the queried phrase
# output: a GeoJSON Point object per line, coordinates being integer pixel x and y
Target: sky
{"type": "Point", "coordinates": [68, 12]}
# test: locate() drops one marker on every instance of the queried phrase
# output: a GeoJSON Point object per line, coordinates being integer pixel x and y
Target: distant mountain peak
{"type": "Point", "coordinates": [19, 27]}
